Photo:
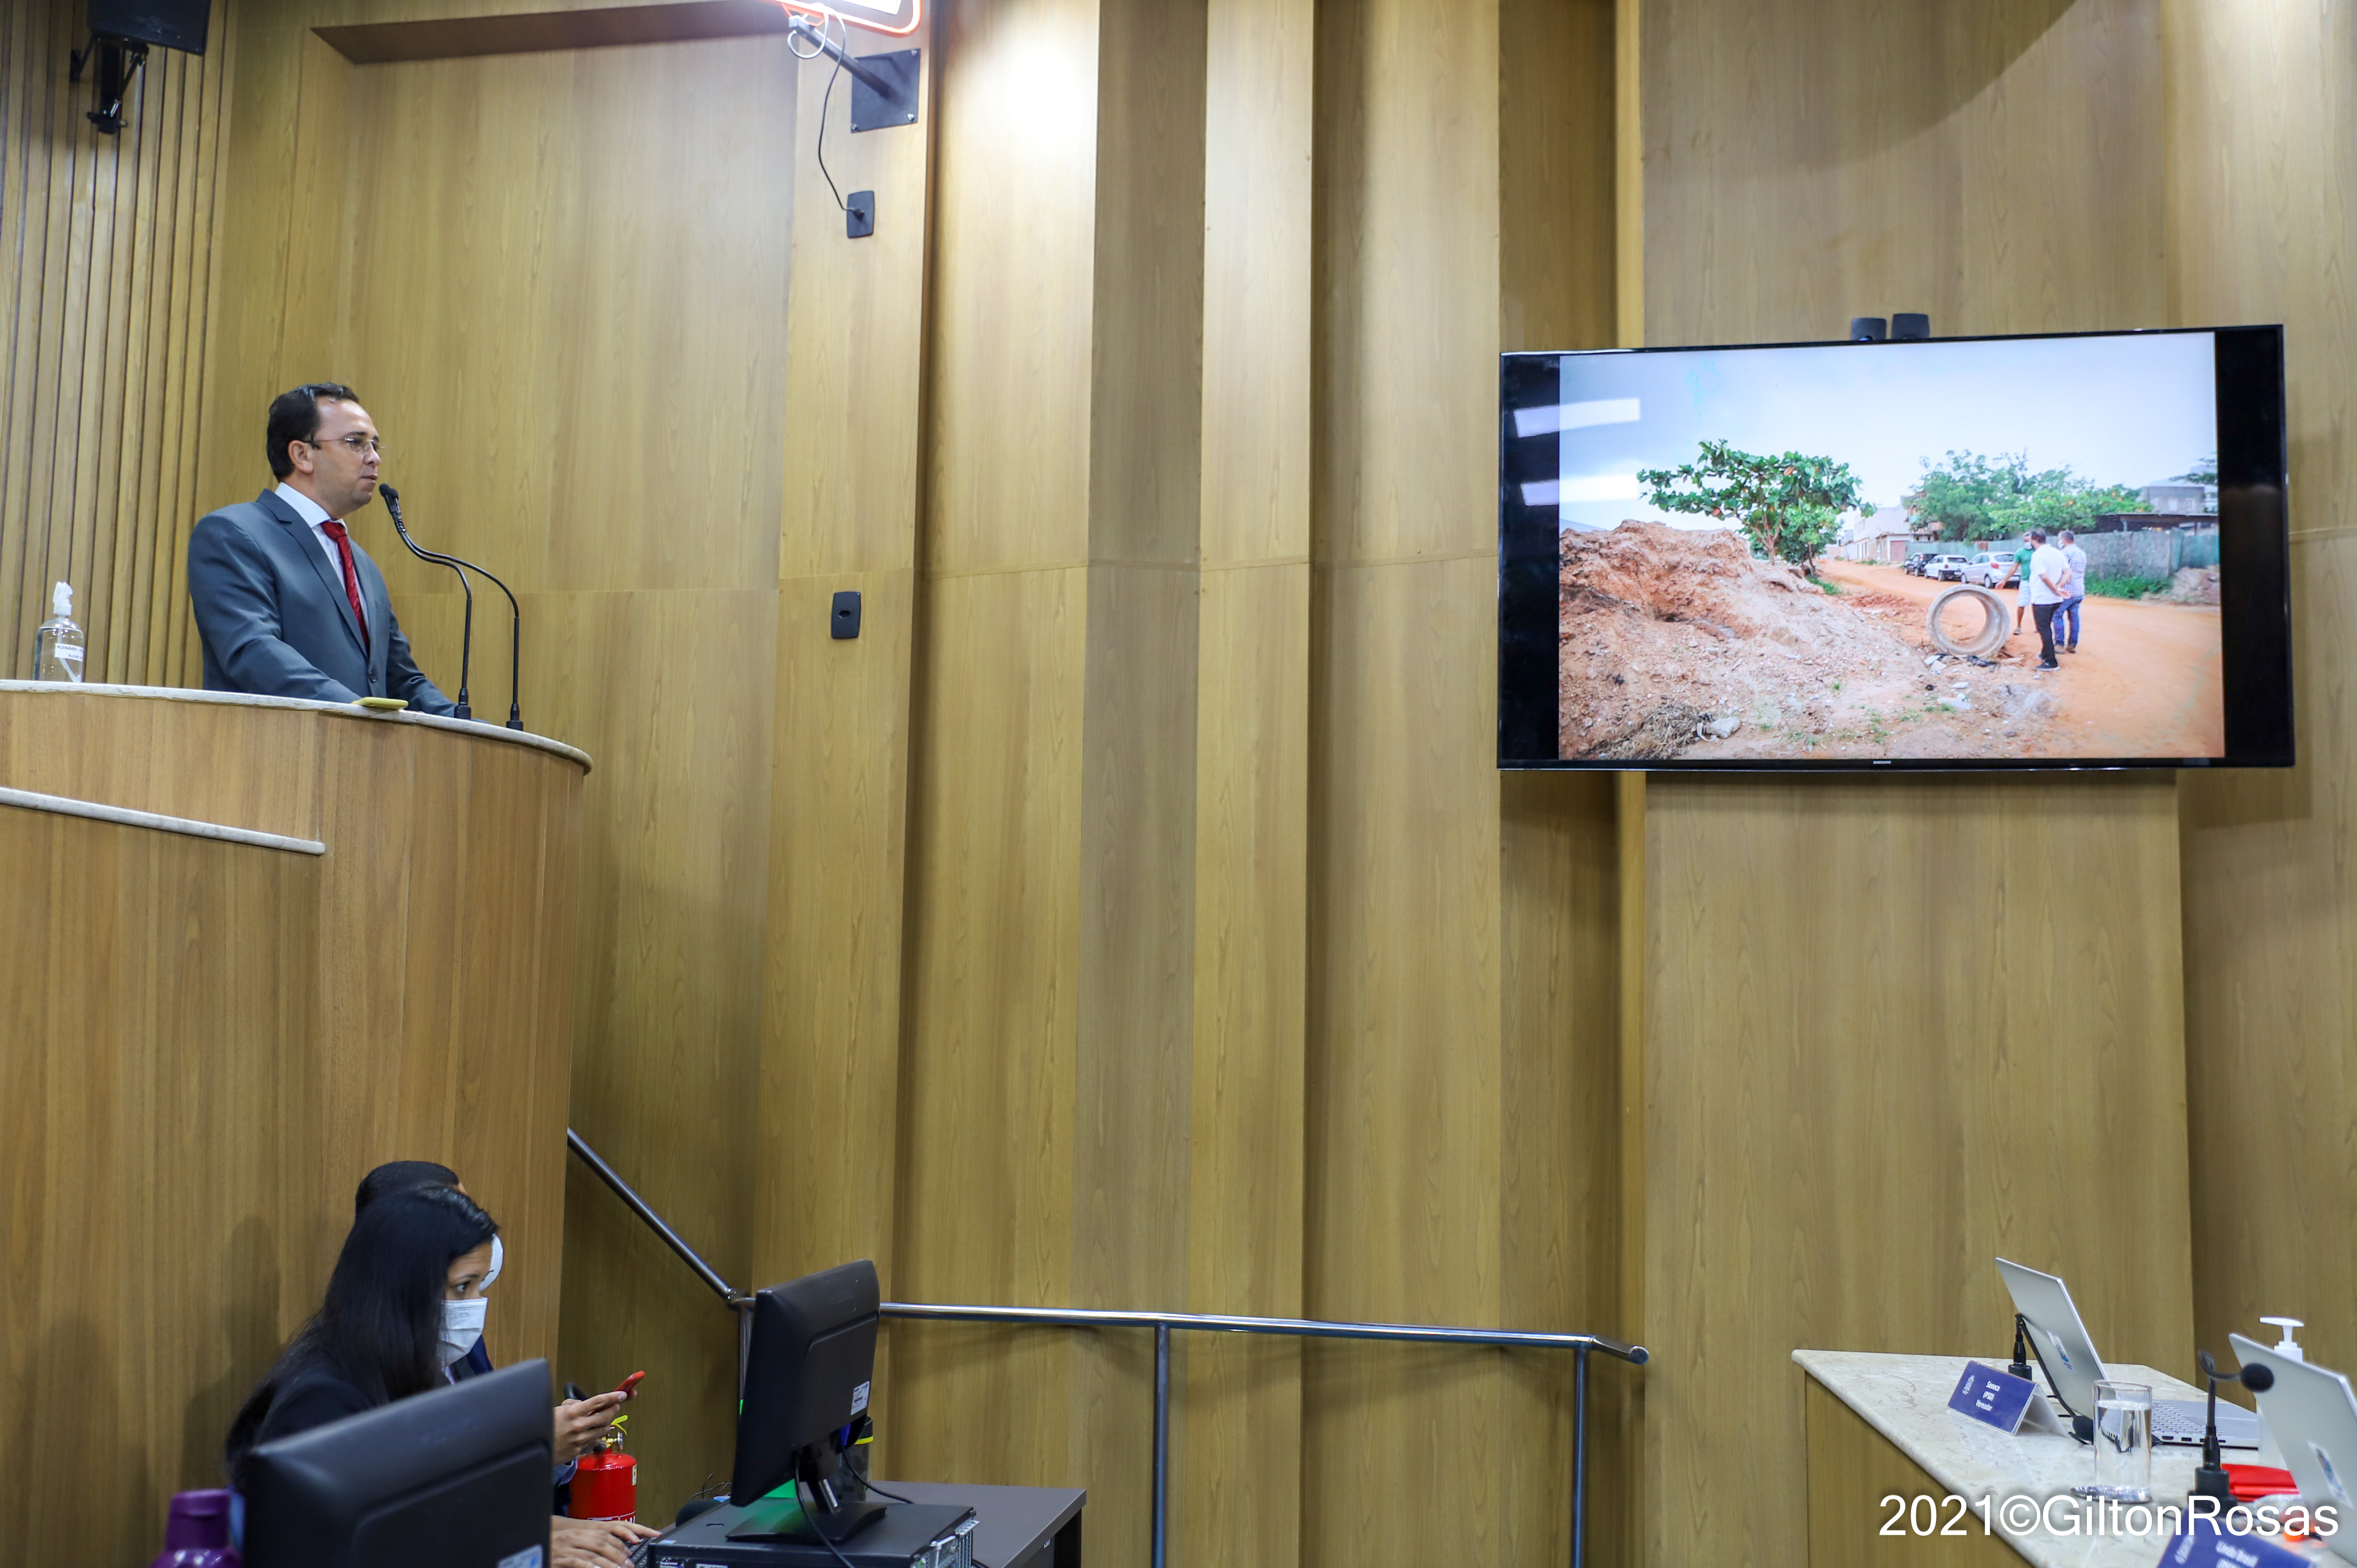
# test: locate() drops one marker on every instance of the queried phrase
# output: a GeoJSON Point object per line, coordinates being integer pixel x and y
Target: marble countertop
{"type": "Point", "coordinates": [1905, 1398]}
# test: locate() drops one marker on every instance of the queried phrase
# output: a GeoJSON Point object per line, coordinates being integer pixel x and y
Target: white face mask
{"type": "Point", "coordinates": [462, 1325]}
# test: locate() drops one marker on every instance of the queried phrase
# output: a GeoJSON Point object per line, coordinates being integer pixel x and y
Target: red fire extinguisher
{"type": "Point", "coordinates": [604, 1480]}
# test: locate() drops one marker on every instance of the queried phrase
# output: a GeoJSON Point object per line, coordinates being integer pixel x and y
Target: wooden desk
{"type": "Point", "coordinates": [1879, 1426]}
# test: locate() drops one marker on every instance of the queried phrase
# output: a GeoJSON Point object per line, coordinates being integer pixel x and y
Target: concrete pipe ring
{"type": "Point", "coordinates": [1983, 644]}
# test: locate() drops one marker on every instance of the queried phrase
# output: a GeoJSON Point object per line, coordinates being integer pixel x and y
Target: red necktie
{"type": "Point", "coordinates": [336, 531]}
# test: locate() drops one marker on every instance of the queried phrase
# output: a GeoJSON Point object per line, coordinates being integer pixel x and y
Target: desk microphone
{"type": "Point", "coordinates": [2083, 1427]}
{"type": "Point", "coordinates": [2211, 1480]}
{"type": "Point", "coordinates": [466, 643]}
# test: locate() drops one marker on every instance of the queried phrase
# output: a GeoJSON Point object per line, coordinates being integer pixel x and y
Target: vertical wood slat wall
{"type": "Point", "coordinates": [106, 249]}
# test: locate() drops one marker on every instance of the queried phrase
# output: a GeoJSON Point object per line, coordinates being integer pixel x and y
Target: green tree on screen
{"type": "Point", "coordinates": [1969, 496]}
{"type": "Point", "coordinates": [2074, 504]}
{"type": "Point", "coordinates": [1960, 496]}
{"type": "Point", "coordinates": [1789, 506]}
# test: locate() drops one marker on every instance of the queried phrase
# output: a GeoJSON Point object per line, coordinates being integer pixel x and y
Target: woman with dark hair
{"type": "Point", "coordinates": [404, 1302]}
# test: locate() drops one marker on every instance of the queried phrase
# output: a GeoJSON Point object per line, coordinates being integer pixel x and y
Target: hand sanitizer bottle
{"type": "Point", "coordinates": [2287, 1348]}
{"type": "Point", "coordinates": [59, 640]}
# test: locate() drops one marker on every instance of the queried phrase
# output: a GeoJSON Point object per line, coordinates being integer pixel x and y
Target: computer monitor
{"type": "Point", "coordinates": [457, 1478]}
{"type": "Point", "coordinates": [806, 1383]}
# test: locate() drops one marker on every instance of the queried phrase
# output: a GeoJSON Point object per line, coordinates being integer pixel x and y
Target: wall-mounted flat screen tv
{"type": "Point", "coordinates": [2045, 551]}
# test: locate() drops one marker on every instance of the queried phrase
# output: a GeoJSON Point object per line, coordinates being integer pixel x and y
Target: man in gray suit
{"type": "Point", "coordinates": [287, 604]}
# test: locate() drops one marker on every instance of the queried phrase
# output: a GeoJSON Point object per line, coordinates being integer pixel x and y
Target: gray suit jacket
{"type": "Point", "coordinates": [275, 619]}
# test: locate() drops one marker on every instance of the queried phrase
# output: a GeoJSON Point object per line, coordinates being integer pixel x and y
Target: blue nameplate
{"type": "Point", "coordinates": [1998, 1398]}
{"type": "Point", "coordinates": [2207, 1546]}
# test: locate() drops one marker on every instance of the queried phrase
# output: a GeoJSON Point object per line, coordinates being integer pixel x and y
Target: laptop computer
{"type": "Point", "coordinates": [2074, 1369]}
{"type": "Point", "coordinates": [2313, 1416]}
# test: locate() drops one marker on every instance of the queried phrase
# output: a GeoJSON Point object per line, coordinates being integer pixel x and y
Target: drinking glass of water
{"type": "Point", "coordinates": [2122, 1443]}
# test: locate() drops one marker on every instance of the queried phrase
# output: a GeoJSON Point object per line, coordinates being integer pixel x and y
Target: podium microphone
{"type": "Point", "coordinates": [467, 641]}
{"type": "Point", "coordinates": [2211, 1480]}
{"type": "Point", "coordinates": [515, 648]}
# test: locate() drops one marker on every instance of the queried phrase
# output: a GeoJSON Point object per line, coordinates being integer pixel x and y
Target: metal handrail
{"type": "Point", "coordinates": [1303, 1327]}
{"type": "Point", "coordinates": [1164, 1324]}
{"type": "Point", "coordinates": [654, 1222]}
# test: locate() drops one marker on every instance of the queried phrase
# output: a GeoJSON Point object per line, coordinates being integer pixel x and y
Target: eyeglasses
{"type": "Point", "coordinates": [359, 446]}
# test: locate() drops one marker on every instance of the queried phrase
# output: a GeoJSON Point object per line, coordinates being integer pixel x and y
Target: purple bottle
{"type": "Point", "coordinates": [196, 1534]}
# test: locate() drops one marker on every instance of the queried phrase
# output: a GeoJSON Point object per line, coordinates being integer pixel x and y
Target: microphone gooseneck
{"type": "Point", "coordinates": [2209, 1479]}
{"type": "Point", "coordinates": [467, 636]}
{"type": "Point", "coordinates": [515, 612]}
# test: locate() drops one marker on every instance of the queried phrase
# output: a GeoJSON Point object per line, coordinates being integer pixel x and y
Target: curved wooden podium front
{"type": "Point", "coordinates": [208, 1035]}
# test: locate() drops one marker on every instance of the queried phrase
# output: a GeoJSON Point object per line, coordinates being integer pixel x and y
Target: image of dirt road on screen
{"type": "Point", "coordinates": [1683, 643]}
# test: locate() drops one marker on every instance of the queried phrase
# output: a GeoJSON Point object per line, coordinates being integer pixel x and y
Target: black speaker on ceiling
{"type": "Point", "coordinates": [167, 24]}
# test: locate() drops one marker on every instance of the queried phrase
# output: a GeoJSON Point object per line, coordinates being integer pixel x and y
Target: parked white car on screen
{"type": "Point", "coordinates": [1986, 570]}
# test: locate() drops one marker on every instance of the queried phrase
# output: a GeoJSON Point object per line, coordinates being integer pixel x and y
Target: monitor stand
{"type": "Point", "coordinates": [782, 1520]}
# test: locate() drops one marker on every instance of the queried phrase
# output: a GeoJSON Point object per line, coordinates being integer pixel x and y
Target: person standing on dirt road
{"type": "Point", "coordinates": [2067, 618]}
{"type": "Point", "coordinates": [2047, 576]}
{"type": "Point", "coordinates": [2020, 582]}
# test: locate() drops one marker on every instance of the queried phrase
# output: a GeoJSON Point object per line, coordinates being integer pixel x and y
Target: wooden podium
{"type": "Point", "coordinates": [353, 943]}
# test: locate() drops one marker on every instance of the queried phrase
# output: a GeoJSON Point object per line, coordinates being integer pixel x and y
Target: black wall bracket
{"type": "Point", "coordinates": [118, 61]}
{"type": "Point", "coordinates": [884, 89]}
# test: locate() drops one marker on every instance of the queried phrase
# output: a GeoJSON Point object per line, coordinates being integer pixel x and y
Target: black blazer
{"type": "Point", "coordinates": [312, 1397]}
{"type": "Point", "coordinates": [275, 619]}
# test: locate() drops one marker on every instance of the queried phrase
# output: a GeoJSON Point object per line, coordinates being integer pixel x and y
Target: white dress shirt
{"type": "Point", "coordinates": [313, 513]}
{"type": "Point", "coordinates": [2047, 565]}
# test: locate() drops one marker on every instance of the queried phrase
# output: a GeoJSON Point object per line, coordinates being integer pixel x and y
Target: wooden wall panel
{"type": "Point", "coordinates": [1883, 1047]}
{"type": "Point", "coordinates": [1045, 1069]}
{"type": "Point", "coordinates": [989, 1064]}
{"type": "Point", "coordinates": [2000, 167]}
{"type": "Point", "coordinates": [839, 777]}
{"type": "Point", "coordinates": [1463, 1055]}
{"type": "Point", "coordinates": [2263, 107]}
{"type": "Point", "coordinates": [1557, 152]}
{"type": "Point", "coordinates": [107, 247]}
{"type": "Point", "coordinates": [1405, 1077]}
{"type": "Point", "coordinates": [1559, 921]}
{"type": "Point", "coordinates": [158, 1000]}
{"type": "Point", "coordinates": [1245, 1154]}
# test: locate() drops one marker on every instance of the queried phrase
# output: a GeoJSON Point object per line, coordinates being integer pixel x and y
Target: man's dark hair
{"type": "Point", "coordinates": [2038, 534]}
{"type": "Point", "coordinates": [400, 1176]}
{"type": "Point", "coordinates": [295, 416]}
{"type": "Point", "coordinates": [380, 1325]}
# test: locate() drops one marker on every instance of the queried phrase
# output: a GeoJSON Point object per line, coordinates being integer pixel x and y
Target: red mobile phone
{"type": "Point", "coordinates": [630, 1385]}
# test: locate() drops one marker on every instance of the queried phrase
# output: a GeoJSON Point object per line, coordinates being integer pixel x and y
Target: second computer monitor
{"type": "Point", "coordinates": [813, 1353]}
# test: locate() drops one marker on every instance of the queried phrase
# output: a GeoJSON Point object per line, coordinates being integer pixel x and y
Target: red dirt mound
{"type": "Point", "coordinates": [1675, 641]}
